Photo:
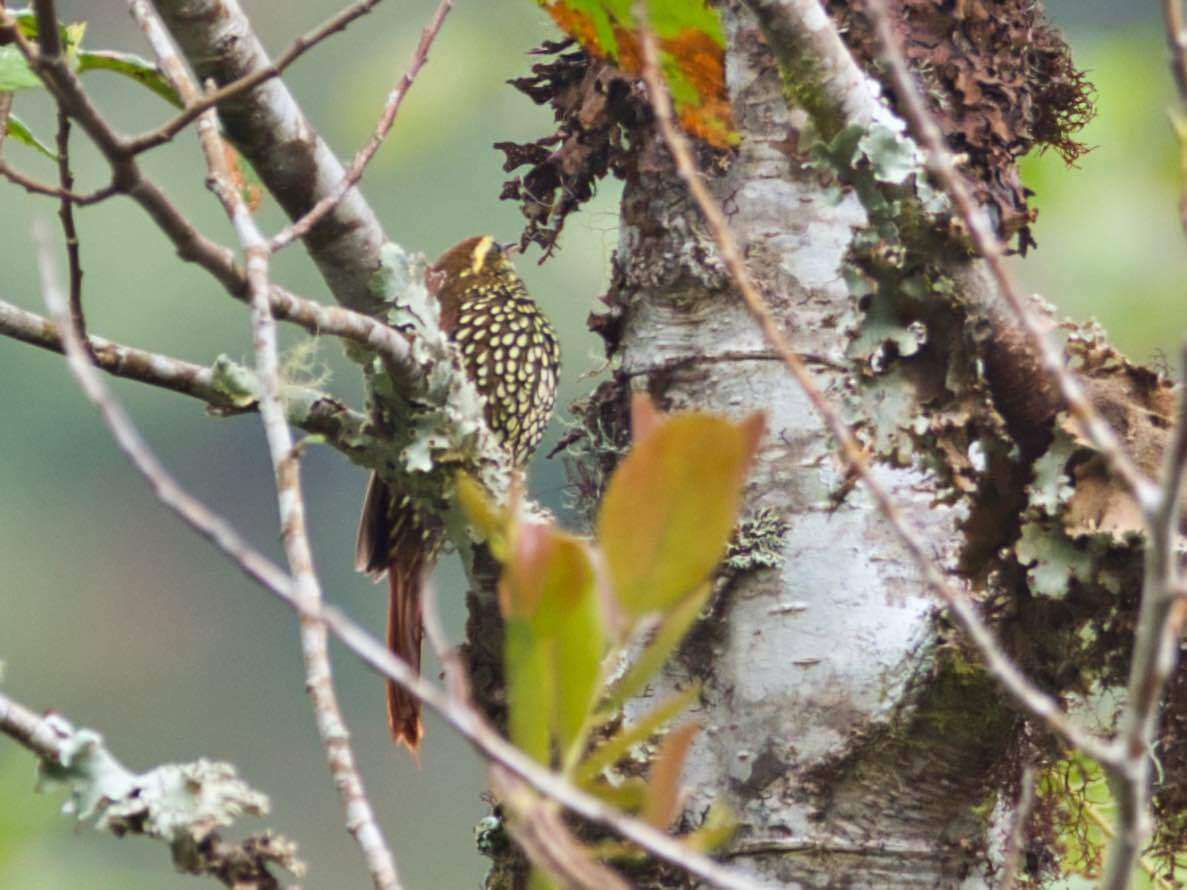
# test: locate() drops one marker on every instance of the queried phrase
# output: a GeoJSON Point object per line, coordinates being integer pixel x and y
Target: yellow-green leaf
{"type": "Point", "coordinates": [487, 519]}
{"type": "Point", "coordinates": [617, 746]}
{"type": "Point", "coordinates": [15, 73]}
{"type": "Point", "coordinates": [129, 65]}
{"type": "Point", "coordinates": [671, 505]}
{"type": "Point", "coordinates": [715, 832]}
{"type": "Point", "coordinates": [671, 631]}
{"type": "Point", "coordinates": [20, 131]}
{"type": "Point", "coordinates": [530, 690]}
{"type": "Point", "coordinates": [692, 53]}
{"type": "Point", "coordinates": [629, 795]}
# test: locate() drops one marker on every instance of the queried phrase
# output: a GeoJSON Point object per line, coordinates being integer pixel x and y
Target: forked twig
{"type": "Point", "coordinates": [335, 738]}
{"type": "Point", "coordinates": [300, 228]}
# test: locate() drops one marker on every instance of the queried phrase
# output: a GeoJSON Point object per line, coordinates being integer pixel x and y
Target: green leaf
{"type": "Point", "coordinates": [548, 596]}
{"type": "Point", "coordinates": [20, 131]}
{"type": "Point", "coordinates": [672, 630]}
{"type": "Point", "coordinates": [577, 658]}
{"type": "Point", "coordinates": [663, 789]}
{"type": "Point", "coordinates": [619, 745]}
{"type": "Point", "coordinates": [539, 880]}
{"type": "Point", "coordinates": [671, 506]}
{"type": "Point", "coordinates": [692, 53]}
{"type": "Point", "coordinates": [15, 73]}
{"type": "Point", "coordinates": [629, 795]}
{"type": "Point", "coordinates": [132, 66]}
{"type": "Point", "coordinates": [530, 690]}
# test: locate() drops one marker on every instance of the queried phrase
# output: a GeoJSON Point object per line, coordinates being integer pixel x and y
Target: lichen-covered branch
{"type": "Point", "coordinates": [185, 805]}
{"type": "Point", "coordinates": [226, 387]}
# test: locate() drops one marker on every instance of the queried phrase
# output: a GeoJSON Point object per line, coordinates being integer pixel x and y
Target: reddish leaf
{"type": "Point", "coordinates": [663, 789]}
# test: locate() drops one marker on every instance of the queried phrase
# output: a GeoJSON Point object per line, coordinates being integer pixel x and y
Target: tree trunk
{"type": "Point", "coordinates": [851, 749]}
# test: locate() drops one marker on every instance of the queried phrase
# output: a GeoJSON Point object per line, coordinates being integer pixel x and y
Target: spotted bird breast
{"type": "Point", "coordinates": [511, 353]}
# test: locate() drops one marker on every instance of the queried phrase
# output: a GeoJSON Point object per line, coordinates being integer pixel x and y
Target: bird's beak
{"type": "Point", "coordinates": [511, 248]}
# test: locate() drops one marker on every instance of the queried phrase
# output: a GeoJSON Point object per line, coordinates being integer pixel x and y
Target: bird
{"type": "Point", "coordinates": [510, 351]}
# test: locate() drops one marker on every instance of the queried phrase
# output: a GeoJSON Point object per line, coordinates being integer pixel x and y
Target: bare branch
{"type": "Point", "coordinates": [300, 228]}
{"type": "Point", "coordinates": [47, 29]}
{"type": "Point", "coordinates": [218, 40]}
{"type": "Point", "coordinates": [34, 187]}
{"type": "Point", "coordinates": [1033, 700]}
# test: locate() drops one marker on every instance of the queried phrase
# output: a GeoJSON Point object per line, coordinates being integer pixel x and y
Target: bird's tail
{"type": "Point", "coordinates": [404, 632]}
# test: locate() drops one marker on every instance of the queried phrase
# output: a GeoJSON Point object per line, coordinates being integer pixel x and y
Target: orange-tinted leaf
{"type": "Point", "coordinates": [547, 573]}
{"type": "Point", "coordinates": [692, 53]}
{"type": "Point", "coordinates": [671, 505]}
{"type": "Point", "coordinates": [663, 789]}
{"type": "Point", "coordinates": [243, 178]}
{"type": "Point", "coordinates": [645, 417]}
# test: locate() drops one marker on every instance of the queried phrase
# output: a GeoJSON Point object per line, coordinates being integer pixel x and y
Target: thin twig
{"type": "Point", "coordinates": [1017, 840]}
{"type": "Point", "coordinates": [300, 228]}
{"type": "Point", "coordinates": [1026, 694]}
{"type": "Point", "coordinates": [315, 644]}
{"type": "Point", "coordinates": [1155, 657]}
{"type": "Point", "coordinates": [191, 245]}
{"type": "Point", "coordinates": [69, 231]}
{"type": "Point", "coordinates": [213, 97]}
{"type": "Point", "coordinates": [256, 566]}
{"type": "Point", "coordinates": [5, 112]}
{"type": "Point", "coordinates": [35, 187]}
{"type": "Point", "coordinates": [942, 166]}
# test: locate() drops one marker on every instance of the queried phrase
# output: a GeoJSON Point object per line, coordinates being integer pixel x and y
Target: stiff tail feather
{"type": "Point", "coordinates": [394, 540]}
{"type": "Point", "coordinates": [404, 632]}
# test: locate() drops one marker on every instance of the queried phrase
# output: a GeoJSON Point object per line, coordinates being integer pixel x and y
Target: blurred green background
{"type": "Point", "coordinates": [114, 614]}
